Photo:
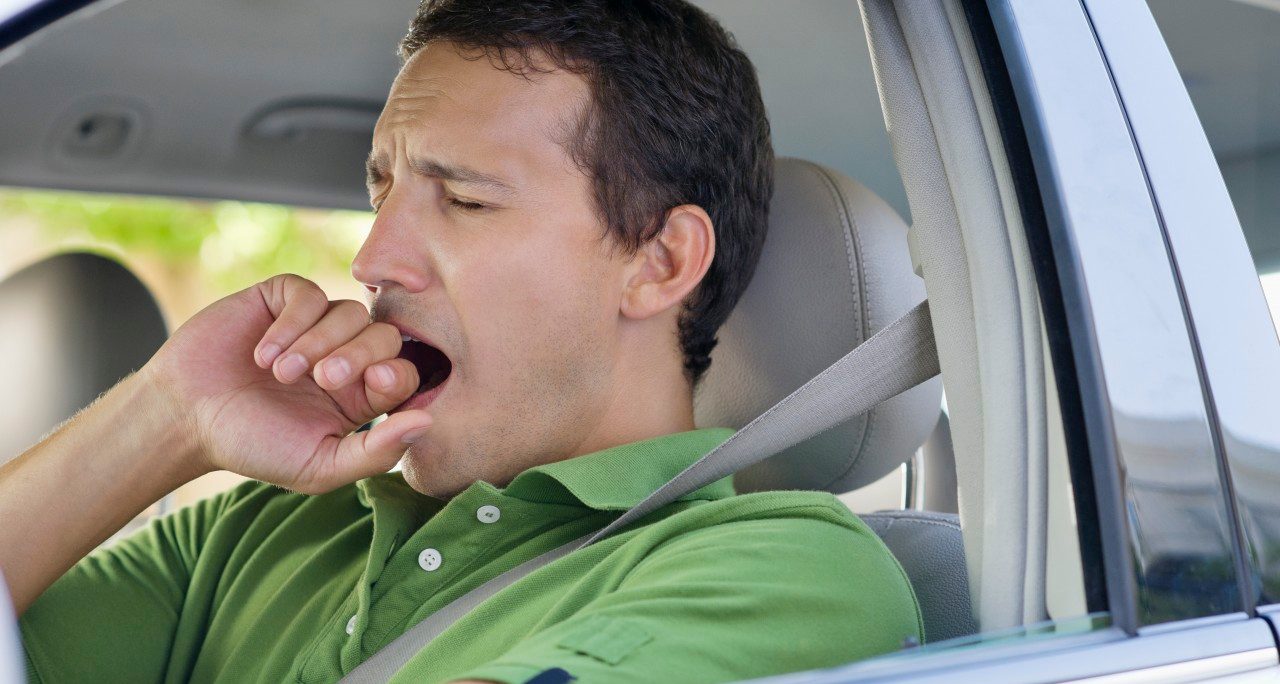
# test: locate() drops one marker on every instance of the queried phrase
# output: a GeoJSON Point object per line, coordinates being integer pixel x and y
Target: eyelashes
{"type": "Point", "coordinates": [465, 205]}
{"type": "Point", "coordinates": [460, 204]}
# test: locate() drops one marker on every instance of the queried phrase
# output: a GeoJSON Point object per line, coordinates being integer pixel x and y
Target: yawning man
{"type": "Point", "coordinates": [571, 195]}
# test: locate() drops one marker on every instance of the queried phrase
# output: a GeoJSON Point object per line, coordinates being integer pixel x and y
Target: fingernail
{"type": "Point", "coordinates": [412, 436]}
{"type": "Point", "coordinates": [292, 367]}
{"type": "Point", "coordinates": [337, 369]}
{"type": "Point", "coordinates": [268, 353]}
{"type": "Point", "coordinates": [385, 377]}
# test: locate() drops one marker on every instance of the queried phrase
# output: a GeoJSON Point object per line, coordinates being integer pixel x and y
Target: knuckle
{"type": "Point", "coordinates": [359, 350]}
{"type": "Point", "coordinates": [312, 294]}
{"type": "Point", "coordinates": [385, 333]}
{"type": "Point", "coordinates": [295, 280]}
{"type": "Point", "coordinates": [352, 309]}
{"type": "Point", "coordinates": [312, 345]}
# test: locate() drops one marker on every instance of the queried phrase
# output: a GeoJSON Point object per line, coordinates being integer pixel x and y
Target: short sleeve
{"type": "Point", "coordinates": [737, 600]}
{"type": "Point", "coordinates": [112, 616]}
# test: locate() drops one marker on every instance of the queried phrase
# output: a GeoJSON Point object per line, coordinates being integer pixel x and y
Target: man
{"type": "Point", "coordinates": [570, 198]}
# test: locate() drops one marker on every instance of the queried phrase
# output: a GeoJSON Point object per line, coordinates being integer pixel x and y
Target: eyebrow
{"type": "Point", "coordinates": [376, 172]}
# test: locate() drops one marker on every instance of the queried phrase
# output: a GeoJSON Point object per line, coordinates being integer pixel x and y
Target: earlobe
{"type": "Point", "coordinates": [671, 266]}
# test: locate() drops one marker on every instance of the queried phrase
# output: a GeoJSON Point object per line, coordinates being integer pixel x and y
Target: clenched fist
{"type": "Point", "coordinates": [272, 380]}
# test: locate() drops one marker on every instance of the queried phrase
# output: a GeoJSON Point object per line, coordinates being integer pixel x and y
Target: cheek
{"type": "Point", "coordinates": [540, 306]}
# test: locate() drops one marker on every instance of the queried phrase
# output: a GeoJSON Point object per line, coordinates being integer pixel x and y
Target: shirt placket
{"type": "Point", "coordinates": [396, 514]}
{"type": "Point", "coordinates": [450, 554]}
{"type": "Point", "coordinates": [429, 560]}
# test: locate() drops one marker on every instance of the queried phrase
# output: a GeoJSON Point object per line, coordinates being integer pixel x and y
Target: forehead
{"type": "Point", "coordinates": [455, 104]}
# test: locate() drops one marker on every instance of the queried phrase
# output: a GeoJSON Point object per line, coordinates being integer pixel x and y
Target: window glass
{"type": "Point", "coordinates": [1228, 54]}
{"type": "Point", "coordinates": [188, 253]}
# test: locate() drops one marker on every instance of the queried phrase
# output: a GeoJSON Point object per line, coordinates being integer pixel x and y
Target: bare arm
{"type": "Point", "coordinates": [75, 489]}
{"type": "Point", "coordinates": [211, 399]}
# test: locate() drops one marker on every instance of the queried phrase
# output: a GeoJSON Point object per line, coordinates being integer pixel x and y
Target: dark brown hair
{"type": "Point", "coordinates": [676, 118]}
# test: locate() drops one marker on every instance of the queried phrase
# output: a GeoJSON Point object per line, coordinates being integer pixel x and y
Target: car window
{"type": "Point", "coordinates": [1228, 54]}
{"type": "Point", "coordinates": [189, 253]}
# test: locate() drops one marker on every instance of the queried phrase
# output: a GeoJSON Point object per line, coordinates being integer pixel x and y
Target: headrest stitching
{"type": "Point", "coordinates": [853, 256]}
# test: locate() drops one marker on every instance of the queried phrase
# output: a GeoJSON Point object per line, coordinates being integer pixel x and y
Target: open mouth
{"type": "Point", "coordinates": [433, 365]}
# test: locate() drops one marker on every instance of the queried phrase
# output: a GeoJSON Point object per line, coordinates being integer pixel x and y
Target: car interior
{"type": "Point", "coordinates": [277, 114]}
{"type": "Point", "coordinates": [893, 180]}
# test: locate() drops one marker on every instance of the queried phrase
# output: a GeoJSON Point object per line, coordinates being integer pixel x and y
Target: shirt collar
{"type": "Point", "coordinates": [614, 479]}
{"type": "Point", "coordinates": [618, 478]}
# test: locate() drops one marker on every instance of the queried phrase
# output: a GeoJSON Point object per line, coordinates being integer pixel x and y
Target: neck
{"type": "Point", "coordinates": [651, 397]}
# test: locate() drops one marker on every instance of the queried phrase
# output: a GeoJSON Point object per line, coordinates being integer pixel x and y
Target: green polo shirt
{"type": "Point", "coordinates": [262, 585]}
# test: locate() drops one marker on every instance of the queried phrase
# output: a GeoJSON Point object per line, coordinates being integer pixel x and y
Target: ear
{"type": "Point", "coordinates": [669, 267]}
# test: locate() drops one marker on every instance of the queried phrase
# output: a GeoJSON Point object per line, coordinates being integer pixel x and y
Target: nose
{"type": "Point", "coordinates": [389, 255]}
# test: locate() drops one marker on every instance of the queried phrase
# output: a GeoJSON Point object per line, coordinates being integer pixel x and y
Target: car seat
{"type": "Point", "coordinates": [835, 269]}
{"type": "Point", "coordinates": [74, 325]}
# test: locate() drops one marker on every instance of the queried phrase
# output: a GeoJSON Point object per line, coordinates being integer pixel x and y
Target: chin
{"type": "Point", "coordinates": [427, 474]}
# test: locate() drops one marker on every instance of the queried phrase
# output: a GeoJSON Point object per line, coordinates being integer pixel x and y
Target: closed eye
{"type": "Point", "coordinates": [453, 202]}
{"type": "Point", "coordinates": [465, 205]}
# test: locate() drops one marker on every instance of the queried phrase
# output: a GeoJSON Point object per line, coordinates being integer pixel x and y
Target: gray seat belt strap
{"type": "Point", "coordinates": [895, 359]}
{"type": "Point", "coordinates": [890, 362]}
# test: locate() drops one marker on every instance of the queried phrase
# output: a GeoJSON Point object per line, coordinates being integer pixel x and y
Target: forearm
{"type": "Point", "coordinates": [66, 495]}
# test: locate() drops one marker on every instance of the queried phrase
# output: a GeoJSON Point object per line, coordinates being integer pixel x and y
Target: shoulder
{"type": "Point", "coordinates": [800, 557]}
{"type": "Point", "coordinates": [800, 512]}
{"type": "Point", "coordinates": [796, 526]}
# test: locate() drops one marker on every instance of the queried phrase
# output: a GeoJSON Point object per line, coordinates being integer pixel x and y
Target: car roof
{"type": "Point", "coordinates": [276, 101]}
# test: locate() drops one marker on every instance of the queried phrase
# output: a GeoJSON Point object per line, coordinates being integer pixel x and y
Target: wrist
{"type": "Point", "coordinates": [162, 420]}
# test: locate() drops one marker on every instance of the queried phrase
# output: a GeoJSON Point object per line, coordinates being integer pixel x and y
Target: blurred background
{"type": "Point", "coordinates": [188, 253]}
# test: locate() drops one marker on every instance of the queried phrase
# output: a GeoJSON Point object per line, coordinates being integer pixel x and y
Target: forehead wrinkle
{"type": "Point", "coordinates": [412, 94]}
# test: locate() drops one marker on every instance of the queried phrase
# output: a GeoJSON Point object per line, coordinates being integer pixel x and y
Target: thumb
{"type": "Point", "coordinates": [364, 454]}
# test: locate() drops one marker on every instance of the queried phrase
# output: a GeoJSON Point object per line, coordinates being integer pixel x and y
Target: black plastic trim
{"type": "Point", "coordinates": [35, 18]}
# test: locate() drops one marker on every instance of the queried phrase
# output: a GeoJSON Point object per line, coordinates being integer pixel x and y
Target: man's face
{"type": "Point", "coordinates": [488, 245]}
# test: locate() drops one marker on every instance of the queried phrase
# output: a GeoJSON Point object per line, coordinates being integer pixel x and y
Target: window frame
{"type": "Point", "coordinates": [1125, 316]}
{"type": "Point", "coordinates": [1067, 100]}
{"type": "Point", "coordinates": [1225, 303]}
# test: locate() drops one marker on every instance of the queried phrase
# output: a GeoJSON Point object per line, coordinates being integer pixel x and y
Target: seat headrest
{"type": "Point", "coordinates": [835, 269]}
{"type": "Point", "coordinates": [75, 324]}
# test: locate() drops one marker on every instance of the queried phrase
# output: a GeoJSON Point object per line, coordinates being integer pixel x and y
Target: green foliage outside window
{"type": "Point", "coordinates": [231, 238]}
{"type": "Point", "coordinates": [194, 250]}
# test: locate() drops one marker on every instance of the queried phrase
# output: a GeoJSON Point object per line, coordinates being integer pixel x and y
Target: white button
{"type": "Point", "coordinates": [351, 625]}
{"type": "Point", "coordinates": [488, 514]}
{"type": "Point", "coordinates": [429, 559]}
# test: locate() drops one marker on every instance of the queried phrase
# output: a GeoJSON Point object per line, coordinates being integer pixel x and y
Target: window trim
{"type": "Point", "coordinates": [1226, 309]}
{"type": "Point", "coordinates": [1098, 205]}
{"type": "Point", "coordinates": [1056, 314]}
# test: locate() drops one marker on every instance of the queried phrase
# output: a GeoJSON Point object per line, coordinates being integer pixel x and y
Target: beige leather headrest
{"type": "Point", "coordinates": [835, 269]}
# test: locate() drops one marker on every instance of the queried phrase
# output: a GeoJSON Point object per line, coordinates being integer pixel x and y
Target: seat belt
{"type": "Point", "coordinates": [890, 362]}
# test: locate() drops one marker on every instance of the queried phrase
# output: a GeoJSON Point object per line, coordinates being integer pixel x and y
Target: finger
{"type": "Point", "coordinates": [344, 320]}
{"type": "Point", "coordinates": [296, 303]}
{"type": "Point", "coordinates": [377, 342]}
{"type": "Point", "coordinates": [388, 384]}
{"type": "Point", "coordinates": [363, 454]}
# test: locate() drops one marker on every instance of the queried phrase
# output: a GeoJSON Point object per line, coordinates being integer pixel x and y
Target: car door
{"type": "Point", "coordinates": [1162, 348]}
